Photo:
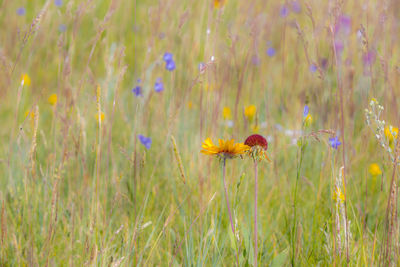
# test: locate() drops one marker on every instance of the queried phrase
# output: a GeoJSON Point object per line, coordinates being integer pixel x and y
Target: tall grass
{"type": "Point", "coordinates": [80, 190]}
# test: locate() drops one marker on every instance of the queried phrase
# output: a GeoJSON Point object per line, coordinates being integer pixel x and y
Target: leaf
{"type": "Point", "coordinates": [279, 259]}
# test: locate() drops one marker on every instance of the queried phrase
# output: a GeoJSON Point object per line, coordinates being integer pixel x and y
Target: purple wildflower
{"type": "Point", "coordinates": [158, 86]}
{"type": "Point", "coordinates": [284, 11]}
{"type": "Point", "coordinates": [334, 142]}
{"type": "Point", "coordinates": [21, 11]}
{"type": "Point", "coordinates": [170, 65]}
{"type": "Point", "coordinates": [305, 111]}
{"type": "Point", "coordinates": [271, 51]}
{"type": "Point", "coordinates": [58, 3]}
{"type": "Point", "coordinates": [313, 68]}
{"type": "Point", "coordinates": [146, 141]}
{"type": "Point", "coordinates": [62, 28]}
{"type": "Point", "coordinates": [167, 57]}
{"type": "Point", "coordinates": [343, 25]}
{"type": "Point", "coordinates": [296, 7]}
{"type": "Point", "coordinates": [137, 91]}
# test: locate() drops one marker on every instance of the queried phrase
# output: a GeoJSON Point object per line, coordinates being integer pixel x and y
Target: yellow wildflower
{"type": "Point", "coordinates": [391, 135]}
{"type": "Point", "coordinates": [225, 149]}
{"type": "Point", "coordinates": [101, 116]}
{"type": "Point", "coordinates": [52, 99]}
{"type": "Point", "coordinates": [226, 113]}
{"type": "Point", "coordinates": [374, 169]}
{"type": "Point", "coordinates": [338, 195]}
{"type": "Point", "coordinates": [308, 120]}
{"type": "Point", "coordinates": [26, 79]}
{"type": "Point", "coordinates": [219, 3]}
{"type": "Point", "coordinates": [190, 104]}
{"type": "Point", "coordinates": [250, 112]}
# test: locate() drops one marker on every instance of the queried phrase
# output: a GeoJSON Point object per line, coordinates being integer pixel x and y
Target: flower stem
{"type": "Point", "coordinates": [255, 211]}
{"type": "Point", "coordinates": [228, 206]}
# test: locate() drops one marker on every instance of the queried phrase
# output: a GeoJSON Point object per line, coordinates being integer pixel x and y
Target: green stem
{"type": "Point", "coordinates": [228, 206]}
{"type": "Point", "coordinates": [294, 227]}
{"type": "Point", "coordinates": [255, 211]}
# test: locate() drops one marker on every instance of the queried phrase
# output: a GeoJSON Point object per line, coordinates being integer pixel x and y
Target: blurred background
{"type": "Point", "coordinates": [104, 106]}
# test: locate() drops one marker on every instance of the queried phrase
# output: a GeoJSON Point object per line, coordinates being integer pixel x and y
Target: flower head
{"type": "Point", "coordinates": [296, 7]}
{"type": "Point", "coordinates": [167, 56]}
{"type": "Point", "coordinates": [250, 112]}
{"type": "Point", "coordinates": [21, 11]}
{"type": "Point", "coordinates": [313, 68]}
{"type": "Point", "coordinates": [256, 140]}
{"type": "Point", "coordinates": [334, 142]}
{"type": "Point", "coordinates": [224, 149]}
{"type": "Point", "coordinates": [169, 61]}
{"type": "Point", "coordinates": [102, 116]}
{"type": "Point", "coordinates": [137, 91]}
{"type": "Point", "coordinates": [306, 110]}
{"type": "Point", "coordinates": [338, 196]}
{"type": "Point", "coordinates": [170, 65]}
{"type": "Point", "coordinates": [284, 12]}
{"type": "Point", "coordinates": [146, 141]}
{"type": "Point", "coordinates": [374, 169]}
{"type": "Point", "coordinates": [58, 3]}
{"type": "Point", "coordinates": [25, 79]}
{"type": "Point", "coordinates": [391, 133]}
{"type": "Point", "coordinates": [52, 99]}
{"type": "Point", "coordinates": [308, 120]}
{"type": "Point", "coordinates": [62, 28]}
{"type": "Point", "coordinates": [226, 113]}
{"type": "Point", "coordinates": [158, 86]}
{"type": "Point", "coordinates": [258, 146]}
{"type": "Point", "coordinates": [271, 51]}
{"type": "Point", "coordinates": [219, 3]}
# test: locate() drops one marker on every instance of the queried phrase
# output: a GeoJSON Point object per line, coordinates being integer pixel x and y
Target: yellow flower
{"type": "Point", "coordinates": [225, 149]}
{"type": "Point", "coordinates": [308, 120]}
{"type": "Point", "coordinates": [52, 99]}
{"type": "Point", "coordinates": [391, 135]}
{"type": "Point", "coordinates": [226, 113]}
{"type": "Point", "coordinates": [219, 3]}
{"type": "Point", "coordinates": [32, 113]}
{"type": "Point", "coordinates": [101, 116]}
{"type": "Point", "coordinates": [338, 195]}
{"type": "Point", "coordinates": [374, 169]}
{"type": "Point", "coordinates": [190, 104]}
{"type": "Point", "coordinates": [26, 79]}
{"type": "Point", "coordinates": [250, 112]}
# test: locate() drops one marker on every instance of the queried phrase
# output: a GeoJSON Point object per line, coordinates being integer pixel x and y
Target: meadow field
{"type": "Point", "coordinates": [117, 119]}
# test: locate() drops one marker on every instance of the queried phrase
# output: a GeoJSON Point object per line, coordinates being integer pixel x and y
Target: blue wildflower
{"type": "Point", "coordinates": [305, 111]}
{"type": "Point", "coordinates": [167, 57]}
{"type": "Point", "coordinates": [62, 28]}
{"type": "Point", "coordinates": [158, 86]}
{"type": "Point", "coordinates": [296, 7]}
{"type": "Point", "coordinates": [170, 65]}
{"type": "Point", "coordinates": [334, 142]}
{"type": "Point", "coordinates": [146, 141]}
{"type": "Point", "coordinates": [313, 68]}
{"type": "Point", "coordinates": [202, 66]}
{"type": "Point", "coordinates": [58, 3]}
{"type": "Point", "coordinates": [137, 91]}
{"type": "Point", "coordinates": [284, 11]}
{"type": "Point", "coordinates": [21, 11]}
{"type": "Point", "coordinates": [271, 51]}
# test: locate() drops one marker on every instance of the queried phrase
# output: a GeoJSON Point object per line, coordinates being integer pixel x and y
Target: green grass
{"type": "Point", "coordinates": [76, 194]}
